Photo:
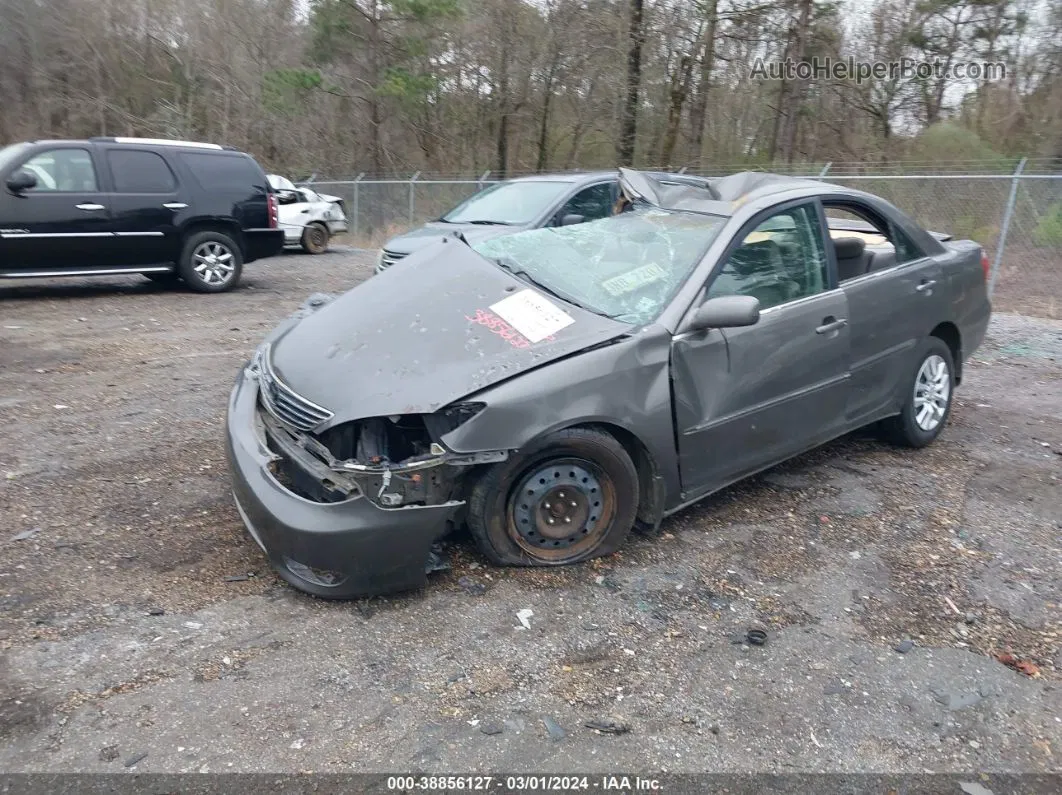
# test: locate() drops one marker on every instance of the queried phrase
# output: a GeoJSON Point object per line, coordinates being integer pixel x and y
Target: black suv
{"type": "Point", "coordinates": [167, 209]}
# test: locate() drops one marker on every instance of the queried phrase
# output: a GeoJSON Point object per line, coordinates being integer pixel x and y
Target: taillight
{"type": "Point", "coordinates": [985, 265]}
{"type": "Point", "coordinates": [274, 220]}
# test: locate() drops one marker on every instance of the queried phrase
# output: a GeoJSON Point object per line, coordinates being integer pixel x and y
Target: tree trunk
{"type": "Point", "coordinates": [699, 111]}
{"type": "Point", "coordinates": [680, 89]}
{"type": "Point", "coordinates": [629, 121]}
{"type": "Point", "coordinates": [543, 130]}
{"type": "Point", "coordinates": [794, 96]}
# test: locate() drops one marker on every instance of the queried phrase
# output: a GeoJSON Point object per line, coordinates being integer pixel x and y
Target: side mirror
{"type": "Point", "coordinates": [21, 180]}
{"type": "Point", "coordinates": [727, 311]}
{"type": "Point", "coordinates": [571, 218]}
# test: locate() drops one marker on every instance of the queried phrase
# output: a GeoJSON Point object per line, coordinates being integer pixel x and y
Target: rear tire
{"type": "Point", "coordinates": [315, 238]}
{"type": "Point", "coordinates": [928, 394]}
{"type": "Point", "coordinates": [570, 496]}
{"type": "Point", "coordinates": [211, 262]}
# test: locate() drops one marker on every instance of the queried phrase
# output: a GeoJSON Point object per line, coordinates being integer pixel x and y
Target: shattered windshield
{"type": "Point", "coordinates": [508, 203]}
{"type": "Point", "coordinates": [626, 266]}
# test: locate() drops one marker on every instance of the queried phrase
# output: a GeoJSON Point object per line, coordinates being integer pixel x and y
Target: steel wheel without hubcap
{"type": "Point", "coordinates": [213, 262]}
{"type": "Point", "coordinates": [315, 239]}
{"type": "Point", "coordinates": [932, 391]}
{"type": "Point", "coordinates": [561, 509]}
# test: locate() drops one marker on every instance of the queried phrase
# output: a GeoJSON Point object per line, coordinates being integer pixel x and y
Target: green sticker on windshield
{"type": "Point", "coordinates": [632, 280]}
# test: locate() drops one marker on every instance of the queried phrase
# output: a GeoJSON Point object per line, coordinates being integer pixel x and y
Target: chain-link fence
{"type": "Point", "coordinates": [1013, 210]}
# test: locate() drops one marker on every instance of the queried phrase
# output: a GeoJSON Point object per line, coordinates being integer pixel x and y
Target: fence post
{"type": "Point", "coordinates": [1007, 215]}
{"type": "Point", "coordinates": [825, 168]}
{"type": "Point", "coordinates": [482, 179]}
{"type": "Point", "coordinates": [412, 197]}
{"type": "Point", "coordinates": [357, 211]}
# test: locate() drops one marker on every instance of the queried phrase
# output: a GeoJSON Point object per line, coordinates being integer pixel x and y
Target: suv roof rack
{"type": "Point", "coordinates": [162, 142]}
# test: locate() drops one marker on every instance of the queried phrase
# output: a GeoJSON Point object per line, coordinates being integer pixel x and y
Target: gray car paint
{"type": "Point", "coordinates": [431, 232]}
{"type": "Point", "coordinates": [407, 341]}
{"type": "Point", "coordinates": [698, 409]}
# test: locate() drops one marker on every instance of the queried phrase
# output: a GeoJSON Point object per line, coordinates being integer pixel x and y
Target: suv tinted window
{"type": "Point", "coordinates": [140, 172]}
{"type": "Point", "coordinates": [223, 171]}
{"type": "Point", "coordinates": [67, 170]}
{"type": "Point", "coordinates": [781, 260]}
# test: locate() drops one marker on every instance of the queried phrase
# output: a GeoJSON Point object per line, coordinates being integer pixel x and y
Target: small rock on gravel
{"type": "Point", "coordinates": [556, 732]}
{"type": "Point", "coordinates": [109, 753]}
{"type": "Point", "coordinates": [491, 729]}
{"type": "Point", "coordinates": [904, 646]}
{"type": "Point", "coordinates": [472, 586]}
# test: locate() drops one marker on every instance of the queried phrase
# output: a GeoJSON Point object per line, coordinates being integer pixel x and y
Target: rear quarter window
{"type": "Point", "coordinates": [220, 172]}
{"type": "Point", "coordinates": [140, 172]}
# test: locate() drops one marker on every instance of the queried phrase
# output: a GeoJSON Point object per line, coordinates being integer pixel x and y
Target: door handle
{"type": "Point", "coordinates": [925, 285]}
{"type": "Point", "coordinates": [89, 207]}
{"type": "Point", "coordinates": [175, 205]}
{"type": "Point", "coordinates": [831, 324]}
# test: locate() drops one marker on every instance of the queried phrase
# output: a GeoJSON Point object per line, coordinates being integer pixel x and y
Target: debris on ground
{"type": "Point", "coordinates": [133, 760]}
{"type": "Point", "coordinates": [237, 577]}
{"type": "Point", "coordinates": [756, 636]}
{"type": "Point", "coordinates": [436, 561]}
{"type": "Point", "coordinates": [523, 616]}
{"type": "Point", "coordinates": [25, 534]}
{"type": "Point", "coordinates": [904, 646]}
{"type": "Point", "coordinates": [109, 753]}
{"type": "Point", "coordinates": [554, 729]}
{"type": "Point", "coordinates": [491, 728]}
{"type": "Point", "coordinates": [607, 726]}
{"type": "Point", "coordinates": [472, 586]}
{"type": "Point", "coordinates": [1021, 666]}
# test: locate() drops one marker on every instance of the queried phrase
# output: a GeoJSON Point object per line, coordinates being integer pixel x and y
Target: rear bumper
{"type": "Point", "coordinates": [337, 227]}
{"type": "Point", "coordinates": [262, 243]}
{"type": "Point", "coordinates": [369, 550]}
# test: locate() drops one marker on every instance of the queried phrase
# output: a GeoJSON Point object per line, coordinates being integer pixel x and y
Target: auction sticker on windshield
{"type": "Point", "coordinates": [532, 315]}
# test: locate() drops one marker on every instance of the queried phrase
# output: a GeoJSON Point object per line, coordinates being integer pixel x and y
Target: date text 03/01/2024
{"type": "Point", "coordinates": [522, 783]}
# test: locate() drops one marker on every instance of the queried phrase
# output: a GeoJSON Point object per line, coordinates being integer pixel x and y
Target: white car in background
{"type": "Point", "coordinates": [309, 219]}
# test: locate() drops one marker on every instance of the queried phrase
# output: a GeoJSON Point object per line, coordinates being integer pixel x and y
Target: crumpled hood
{"type": "Point", "coordinates": [413, 339]}
{"type": "Point", "coordinates": [434, 231]}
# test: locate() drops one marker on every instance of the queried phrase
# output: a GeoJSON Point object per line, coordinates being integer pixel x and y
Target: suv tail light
{"type": "Point", "coordinates": [985, 265]}
{"type": "Point", "coordinates": [274, 221]}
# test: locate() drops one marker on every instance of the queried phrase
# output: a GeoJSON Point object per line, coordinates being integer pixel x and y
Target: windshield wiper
{"type": "Point", "coordinates": [484, 222]}
{"type": "Point", "coordinates": [516, 270]}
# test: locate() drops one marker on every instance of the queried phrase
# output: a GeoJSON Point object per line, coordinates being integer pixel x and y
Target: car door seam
{"type": "Point", "coordinates": [801, 393]}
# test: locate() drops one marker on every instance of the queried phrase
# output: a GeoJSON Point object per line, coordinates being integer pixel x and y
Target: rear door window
{"type": "Point", "coordinates": [137, 171]}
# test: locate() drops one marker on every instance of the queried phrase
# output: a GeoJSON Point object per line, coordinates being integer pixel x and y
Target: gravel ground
{"type": "Point", "coordinates": [122, 636]}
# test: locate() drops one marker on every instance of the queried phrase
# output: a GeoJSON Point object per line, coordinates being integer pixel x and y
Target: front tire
{"type": "Point", "coordinates": [928, 397]}
{"type": "Point", "coordinates": [315, 238]}
{"type": "Point", "coordinates": [211, 262]}
{"type": "Point", "coordinates": [570, 496]}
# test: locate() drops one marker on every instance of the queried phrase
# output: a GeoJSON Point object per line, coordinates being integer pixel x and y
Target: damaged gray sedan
{"type": "Point", "coordinates": [555, 388]}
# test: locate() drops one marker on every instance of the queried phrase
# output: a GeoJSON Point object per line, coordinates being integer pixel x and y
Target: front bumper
{"type": "Point", "coordinates": [369, 550]}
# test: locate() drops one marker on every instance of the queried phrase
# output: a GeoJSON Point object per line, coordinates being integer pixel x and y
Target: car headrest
{"type": "Point", "coordinates": [849, 247]}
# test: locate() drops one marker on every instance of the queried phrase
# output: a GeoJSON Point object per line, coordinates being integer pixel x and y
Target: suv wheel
{"type": "Point", "coordinates": [211, 262]}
